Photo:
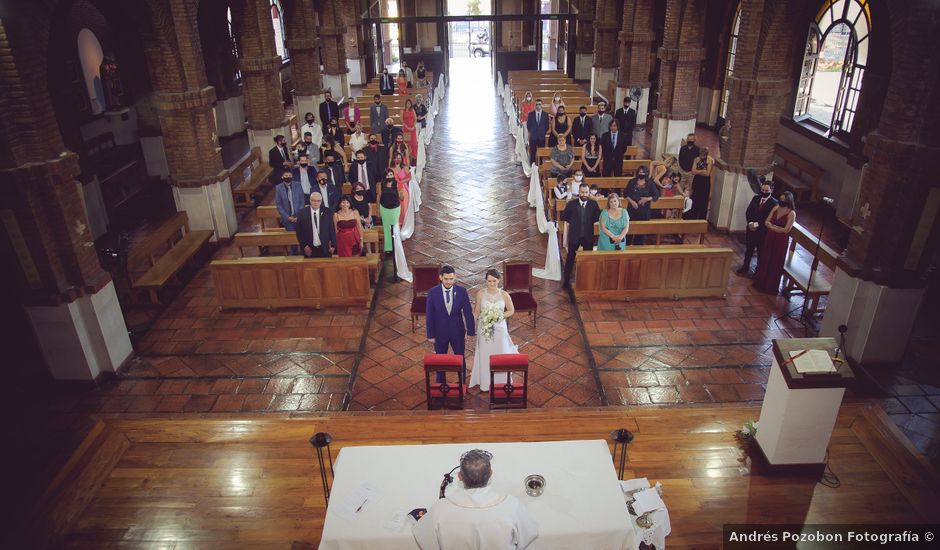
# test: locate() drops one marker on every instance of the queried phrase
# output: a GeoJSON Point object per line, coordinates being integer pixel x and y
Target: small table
{"type": "Point", "coordinates": [582, 506]}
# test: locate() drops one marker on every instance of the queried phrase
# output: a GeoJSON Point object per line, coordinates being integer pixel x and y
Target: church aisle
{"type": "Point", "coordinates": [474, 216]}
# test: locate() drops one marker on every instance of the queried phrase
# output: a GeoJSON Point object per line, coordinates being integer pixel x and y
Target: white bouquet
{"type": "Point", "coordinates": [489, 317]}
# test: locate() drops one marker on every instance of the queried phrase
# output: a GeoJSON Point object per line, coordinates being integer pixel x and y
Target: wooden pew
{"type": "Point", "coordinates": [653, 272]}
{"type": "Point", "coordinates": [798, 175]}
{"type": "Point", "coordinates": [659, 228]}
{"type": "Point", "coordinates": [796, 272]}
{"type": "Point", "coordinates": [271, 223]}
{"type": "Point", "coordinates": [604, 185]}
{"type": "Point", "coordinates": [291, 281]}
{"type": "Point", "coordinates": [248, 177]}
{"type": "Point", "coordinates": [152, 262]}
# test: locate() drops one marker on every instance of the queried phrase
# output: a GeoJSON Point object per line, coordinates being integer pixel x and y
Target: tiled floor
{"type": "Point", "coordinates": [194, 358]}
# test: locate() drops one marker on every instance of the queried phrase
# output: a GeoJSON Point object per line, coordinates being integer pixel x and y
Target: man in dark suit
{"type": "Point", "coordinates": [335, 176]}
{"type": "Point", "coordinates": [626, 120]}
{"type": "Point", "coordinates": [329, 193]}
{"type": "Point", "coordinates": [537, 125]}
{"type": "Point", "coordinates": [613, 145]}
{"type": "Point", "coordinates": [360, 171]}
{"type": "Point", "coordinates": [449, 317]}
{"type": "Point", "coordinates": [582, 127]}
{"type": "Point", "coordinates": [334, 131]}
{"type": "Point", "coordinates": [386, 83]}
{"type": "Point", "coordinates": [389, 133]}
{"type": "Point", "coordinates": [376, 155]}
{"type": "Point", "coordinates": [305, 176]}
{"type": "Point", "coordinates": [756, 214]}
{"type": "Point", "coordinates": [378, 112]}
{"type": "Point", "coordinates": [328, 109]}
{"type": "Point", "coordinates": [315, 231]}
{"type": "Point", "coordinates": [278, 159]}
{"type": "Point", "coordinates": [580, 215]}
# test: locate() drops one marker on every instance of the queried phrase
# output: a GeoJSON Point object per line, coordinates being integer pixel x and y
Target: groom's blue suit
{"type": "Point", "coordinates": [449, 329]}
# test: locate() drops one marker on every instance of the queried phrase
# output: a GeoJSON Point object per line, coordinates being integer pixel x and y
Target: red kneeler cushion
{"type": "Point", "coordinates": [443, 360]}
{"type": "Point", "coordinates": [508, 360]}
{"type": "Point", "coordinates": [523, 300]}
{"type": "Point", "coordinates": [454, 390]}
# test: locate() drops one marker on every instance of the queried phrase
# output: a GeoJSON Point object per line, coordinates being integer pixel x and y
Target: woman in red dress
{"type": "Point", "coordinates": [402, 83]}
{"type": "Point", "coordinates": [409, 125]}
{"type": "Point", "coordinates": [402, 178]}
{"type": "Point", "coordinates": [348, 230]}
{"type": "Point", "coordinates": [774, 252]}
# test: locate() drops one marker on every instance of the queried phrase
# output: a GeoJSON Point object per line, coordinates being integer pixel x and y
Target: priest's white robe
{"type": "Point", "coordinates": [476, 519]}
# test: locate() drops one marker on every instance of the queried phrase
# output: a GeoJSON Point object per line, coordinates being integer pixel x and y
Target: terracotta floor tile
{"type": "Point", "coordinates": [664, 394]}
{"type": "Point", "coordinates": [172, 403]}
{"type": "Point", "coordinates": [257, 402]}
{"type": "Point", "coordinates": [723, 393]}
{"type": "Point", "coordinates": [200, 403]}
{"type": "Point", "coordinates": [229, 403]}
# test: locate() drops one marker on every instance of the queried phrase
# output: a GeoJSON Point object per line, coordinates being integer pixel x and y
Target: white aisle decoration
{"type": "Point", "coordinates": [552, 269]}
{"type": "Point", "coordinates": [408, 226]}
{"type": "Point", "coordinates": [401, 263]}
{"type": "Point", "coordinates": [499, 83]}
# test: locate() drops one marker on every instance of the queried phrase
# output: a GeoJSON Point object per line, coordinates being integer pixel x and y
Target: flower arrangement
{"type": "Point", "coordinates": [489, 317]}
{"type": "Point", "coordinates": [749, 430]}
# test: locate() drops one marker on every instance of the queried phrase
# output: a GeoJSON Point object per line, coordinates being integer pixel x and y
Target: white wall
{"type": "Point", "coordinates": [91, 56]}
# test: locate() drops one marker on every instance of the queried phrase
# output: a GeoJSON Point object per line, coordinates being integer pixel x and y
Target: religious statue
{"type": "Point", "coordinates": [111, 82]}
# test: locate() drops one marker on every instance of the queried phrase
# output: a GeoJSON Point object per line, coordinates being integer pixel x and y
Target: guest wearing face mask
{"type": "Point", "coordinates": [537, 126]}
{"type": "Point", "coordinates": [773, 252]}
{"type": "Point", "coordinates": [327, 191]}
{"type": "Point", "coordinates": [688, 152]}
{"type": "Point", "coordinates": [582, 128]}
{"type": "Point", "coordinates": [362, 173]}
{"type": "Point", "coordinates": [562, 159]}
{"type": "Point", "coordinates": [378, 112]}
{"type": "Point", "coordinates": [614, 145]}
{"type": "Point", "coordinates": [601, 121]}
{"type": "Point", "coordinates": [337, 133]}
{"type": "Point", "coordinates": [389, 133]}
{"type": "Point", "coordinates": [308, 147]}
{"type": "Point", "coordinates": [389, 207]}
{"type": "Point", "coordinates": [289, 201]}
{"type": "Point", "coordinates": [400, 148]}
{"type": "Point", "coordinates": [362, 204]}
{"type": "Point", "coordinates": [526, 107]}
{"type": "Point", "coordinates": [351, 116]}
{"type": "Point", "coordinates": [336, 176]}
{"type": "Point", "coordinates": [348, 228]}
{"type": "Point", "coordinates": [639, 195]}
{"type": "Point", "coordinates": [358, 139]}
{"type": "Point", "coordinates": [561, 127]}
{"type": "Point", "coordinates": [579, 216]}
{"type": "Point", "coordinates": [329, 109]}
{"type": "Point", "coordinates": [376, 154]}
{"type": "Point", "coordinates": [315, 129]}
{"type": "Point", "coordinates": [701, 185]}
{"type": "Point", "coordinates": [305, 175]}
{"type": "Point", "coordinates": [331, 146]}
{"type": "Point", "coordinates": [757, 213]}
{"type": "Point", "coordinates": [386, 83]}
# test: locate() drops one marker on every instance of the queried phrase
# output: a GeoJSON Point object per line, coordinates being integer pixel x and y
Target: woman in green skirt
{"type": "Point", "coordinates": [389, 207]}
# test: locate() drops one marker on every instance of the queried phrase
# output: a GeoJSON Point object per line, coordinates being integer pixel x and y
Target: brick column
{"type": "Point", "coordinates": [881, 280]}
{"type": "Point", "coordinates": [355, 53]}
{"type": "Point", "coordinates": [332, 29]}
{"type": "Point", "coordinates": [304, 45]}
{"type": "Point", "coordinates": [606, 26]}
{"type": "Point", "coordinates": [184, 104]}
{"type": "Point", "coordinates": [680, 57]}
{"type": "Point", "coordinates": [760, 84]}
{"type": "Point", "coordinates": [636, 39]}
{"type": "Point", "coordinates": [584, 43]}
{"type": "Point", "coordinates": [70, 301]}
{"type": "Point", "coordinates": [261, 73]}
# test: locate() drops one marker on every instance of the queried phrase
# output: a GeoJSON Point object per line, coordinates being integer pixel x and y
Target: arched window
{"type": "Point", "coordinates": [834, 64]}
{"type": "Point", "coordinates": [91, 56]}
{"type": "Point", "coordinates": [277, 19]}
{"type": "Point", "coordinates": [729, 65]}
{"type": "Point", "coordinates": [231, 35]}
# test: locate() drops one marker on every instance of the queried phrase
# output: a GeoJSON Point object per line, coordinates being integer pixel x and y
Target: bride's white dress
{"type": "Point", "coordinates": [499, 343]}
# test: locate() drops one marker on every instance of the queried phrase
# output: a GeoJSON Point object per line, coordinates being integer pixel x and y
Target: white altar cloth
{"type": "Point", "coordinates": [582, 506]}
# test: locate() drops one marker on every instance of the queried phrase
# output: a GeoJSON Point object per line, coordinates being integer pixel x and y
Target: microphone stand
{"type": "Point", "coordinates": [448, 479]}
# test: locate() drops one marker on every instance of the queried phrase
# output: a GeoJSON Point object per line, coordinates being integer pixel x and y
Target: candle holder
{"type": "Point", "coordinates": [534, 485]}
{"type": "Point", "coordinates": [622, 438]}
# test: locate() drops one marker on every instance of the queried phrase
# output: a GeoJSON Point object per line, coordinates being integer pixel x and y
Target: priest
{"type": "Point", "coordinates": [476, 517]}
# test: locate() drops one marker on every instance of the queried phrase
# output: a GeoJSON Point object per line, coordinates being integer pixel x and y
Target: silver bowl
{"type": "Point", "coordinates": [534, 485]}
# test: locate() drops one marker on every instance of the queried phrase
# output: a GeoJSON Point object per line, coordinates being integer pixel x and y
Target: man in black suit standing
{"type": "Point", "coordinates": [278, 159]}
{"type": "Point", "coordinates": [626, 119]}
{"type": "Point", "coordinates": [756, 214]}
{"type": "Point", "coordinates": [613, 145]}
{"type": "Point", "coordinates": [386, 83]}
{"type": "Point", "coordinates": [328, 110]}
{"type": "Point", "coordinates": [537, 125]}
{"type": "Point", "coordinates": [329, 193]}
{"type": "Point", "coordinates": [361, 171]}
{"type": "Point", "coordinates": [580, 215]}
{"type": "Point", "coordinates": [315, 231]}
{"type": "Point", "coordinates": [376, 155]}
{"type": "Point", "coordinates": [582, 127]}
{"type": "Point", "coordinates": [334, 171]}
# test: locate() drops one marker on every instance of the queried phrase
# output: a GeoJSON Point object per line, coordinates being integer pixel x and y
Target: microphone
{"type": "Point", "coordinates": [448, 479]}
{"type": "Point", "coordinates": [828, 200]}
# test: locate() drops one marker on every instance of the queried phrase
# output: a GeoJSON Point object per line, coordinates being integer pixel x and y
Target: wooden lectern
{"type": "Point", "coordinates": [800, 409]}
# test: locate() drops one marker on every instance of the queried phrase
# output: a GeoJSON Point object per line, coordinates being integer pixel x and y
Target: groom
{"type": "Point", "coordinates": [446, 302]}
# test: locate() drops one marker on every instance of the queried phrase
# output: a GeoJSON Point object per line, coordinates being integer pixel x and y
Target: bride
{"type": "Point", "coordinates": [500, 342]}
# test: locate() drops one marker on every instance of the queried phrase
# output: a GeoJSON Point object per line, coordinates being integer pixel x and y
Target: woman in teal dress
{"type": "Point", "coordinates": [614, 224]}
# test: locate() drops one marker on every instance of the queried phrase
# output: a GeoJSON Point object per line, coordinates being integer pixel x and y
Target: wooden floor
{"type": "Point", "coordinates": [253, 482]}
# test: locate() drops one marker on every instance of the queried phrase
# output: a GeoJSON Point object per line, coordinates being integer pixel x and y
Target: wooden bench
{"type": "Point", "coordinates": [606, 186]}
{"type": "Point", "coordinates": [653, 272]}
{"type": "Point", "coordinates": [659, 228]}
{"type": "Point", "coordinates": [797, 175]}
{"type": "Point", "coordinates": [796, 272]}
{"type": "Point", "coordinates": [291, 281]}
{"type": "Point", "coordinates": [152, 262]}
{"type": "Point", "coordinates": [248, 178]}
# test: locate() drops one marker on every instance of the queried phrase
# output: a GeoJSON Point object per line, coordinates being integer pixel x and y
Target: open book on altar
{"type": "Point", "coordinates": [812, 361]}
